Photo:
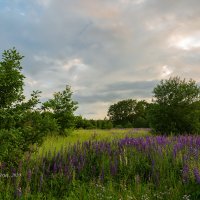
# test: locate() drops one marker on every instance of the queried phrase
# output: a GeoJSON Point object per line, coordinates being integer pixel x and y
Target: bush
{"type": "Point", "coordinates": [13, 144]}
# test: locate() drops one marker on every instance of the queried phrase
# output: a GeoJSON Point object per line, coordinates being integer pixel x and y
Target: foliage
{"type": "Point", "coordinates": [92, 124]}
{"type": "Point", "coordinates": [16, 132]}
{"type": "Point", "coordinates": [62, 107]}
{"type": "Point", "coordinates": [122, 112]}
{"type": "Point", "coordinates": [83, 123]}
{"type": "Point", "coordinates": [11, 145]}
{"type": "Point", "coordinates": [11, 79]}
{"type": "Point", "coordinates": [140, 118]}
{"type": "Point", "coordinates": [176, 107]}
{"type": "Point", "coordinates": [129, 113]}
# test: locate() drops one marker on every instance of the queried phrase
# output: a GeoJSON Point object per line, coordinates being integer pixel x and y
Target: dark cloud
{"type": "Point", "coordinates": [119, 90]}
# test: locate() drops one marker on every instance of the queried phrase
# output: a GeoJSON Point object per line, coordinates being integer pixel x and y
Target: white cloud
{"type": "Point", "coordinates": [132, 1]}
{"type": "Point", "coordinates": [30, 81]}
{"type": "Point", "coordinates": [166, 71]}
{"type": "Point", "coordinates": [44, 3]}
{"type": "Point", "coordinates": [185, 42]}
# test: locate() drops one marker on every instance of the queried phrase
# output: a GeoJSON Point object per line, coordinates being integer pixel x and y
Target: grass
{"type": "Point", "coordinates": [110, 164]}
{"type": "Point", "coordinates": [55, 143]}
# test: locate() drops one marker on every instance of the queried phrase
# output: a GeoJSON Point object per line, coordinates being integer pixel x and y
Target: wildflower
{"type": "Point", "coordinates": [54, 168]}
{"type": "Point", "coordinates": [196, 175]}
{"type": "Point", "coordinates": [29, 175]}
{"type": "Point", "coordinates": [18, 192]}
{"type": "Point", "coordinates": [41, 182]}
{"type": "Point", "coordinates": [102, 175]}
{"type": "Point", "coordinates": [20, 167]}
{"type": "Point", "coordinates": [185, 173]}
{"type": "Point", "coordinates": [113, 169]}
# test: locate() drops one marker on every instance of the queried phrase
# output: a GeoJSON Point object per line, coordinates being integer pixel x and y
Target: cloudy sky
{"type": "Point", "coordinates": [106, 50]}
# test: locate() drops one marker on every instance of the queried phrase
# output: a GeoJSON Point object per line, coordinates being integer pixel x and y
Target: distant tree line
{"type": "Point", "coordinates": [82, 123]}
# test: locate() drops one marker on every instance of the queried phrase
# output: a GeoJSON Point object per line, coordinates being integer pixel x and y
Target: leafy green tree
{"type": "Point", "coordinates": [176, 107]}
{"type": "Point", "coordinates": [99, 124]}
{"type": "Point", "coordinates": [129, 113]}
{"type": "Point", "coordinates": [106, 124]}
{"type": "Point", "coordinates": [14, 109]}
{"type": "Point", "coordinates": [11, 78]}
{"type": "Point", "coordinates": [140, 119]}
{"type": "Point", "coordinates": [122, 112]}
{"type": "Point", "coordinates": [62, 106]}
{"type": "Point", "coordinates": [93, 123]}
{"type": "Point", "coordinates": [84, 123]}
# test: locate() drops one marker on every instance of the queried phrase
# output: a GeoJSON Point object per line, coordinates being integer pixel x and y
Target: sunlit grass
{"type": "Point", "coordinates": [55, 143]}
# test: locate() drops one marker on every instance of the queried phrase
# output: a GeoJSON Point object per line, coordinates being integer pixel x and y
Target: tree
{"type": "Point", "coordinates": [176, 106]}
{"type": "Point", "coordinates": [62, 106]}
{"type": "Point", "coordinates": [11, 78]}
{"type": "Point", "coordinates": [129, 113]}
{"type": "Point", "coordinates": [15, 136]}
{"type": "Point", "coordinates": [140, 119]}
{"type": "Point", "coordinates": [121, 113]}
{"type": "Point", "coordinates": [84, 123]}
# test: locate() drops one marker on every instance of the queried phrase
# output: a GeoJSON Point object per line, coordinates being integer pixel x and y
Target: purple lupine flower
{"type": "Point", "coordinates": [58, 156]}
{"type": "Point", "coordinates": [41, 182]}
{"type": "Point", "coordinates": [48, 169]}
{"type": "Point", "coordinates": [185, 173]}
{"type": "Point", "coordinates": [66, 170]}
{"type": "Point", "coordinates": [13, 172]}
{"type": "Point", "coordinates": [18, 192]}
{"type": "Point", "coordinates": [102, 175]}
{"type": "Point", "coordinates": [196, 175]}
{"type": "Point", "coordinates": [20, 167]}
{"type": "Point", "coordinates": [174, 152]}
{"type": "Point", "coordinates": [29, 173]}
{"type": "Point", "coordinates": [60, 167]}
{"type": "Point", "coordinates": [54, 168]}
{"type": "Point", "coordinates": [113, 169]}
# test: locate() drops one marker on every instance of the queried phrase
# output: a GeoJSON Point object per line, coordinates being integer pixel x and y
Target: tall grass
{"type": "Point", "coordinates": [55, 142]}
{"type": "Point", "coordinates": [146, 168]}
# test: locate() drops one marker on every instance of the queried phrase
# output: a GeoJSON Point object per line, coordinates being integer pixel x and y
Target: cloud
{"type": "Point", "coordinates": [106, 50]}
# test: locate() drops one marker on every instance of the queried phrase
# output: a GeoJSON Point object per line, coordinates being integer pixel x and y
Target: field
{"type": "Point", "coordinates": [115, 164]}
{"type": "Point", "coordinates": [55, 143]}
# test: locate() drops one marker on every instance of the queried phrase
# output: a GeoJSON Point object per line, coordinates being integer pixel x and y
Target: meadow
{"type": "Point", "coordinates": [101, 164]}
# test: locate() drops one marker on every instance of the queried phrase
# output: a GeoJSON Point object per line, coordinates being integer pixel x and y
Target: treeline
{"type": "Point", "coordinates": [128, 113]}
{"type": "Point", "coordinates": [175, 109]}
{"type": "Point", "coordinates": [82, 123]}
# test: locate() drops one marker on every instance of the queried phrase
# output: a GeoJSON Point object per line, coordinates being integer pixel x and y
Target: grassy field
{"type": "Point", "coordinates": [116, 164]}
{"type": "Point", "coordinates": [55, 143]}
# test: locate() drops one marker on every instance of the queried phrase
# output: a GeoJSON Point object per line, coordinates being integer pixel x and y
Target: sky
{"type": "Point", "coordinates": [106, 50]}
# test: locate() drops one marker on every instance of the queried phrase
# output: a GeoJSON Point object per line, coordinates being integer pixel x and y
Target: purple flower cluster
{"type": "Point", "coordinates": [150, 158]}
